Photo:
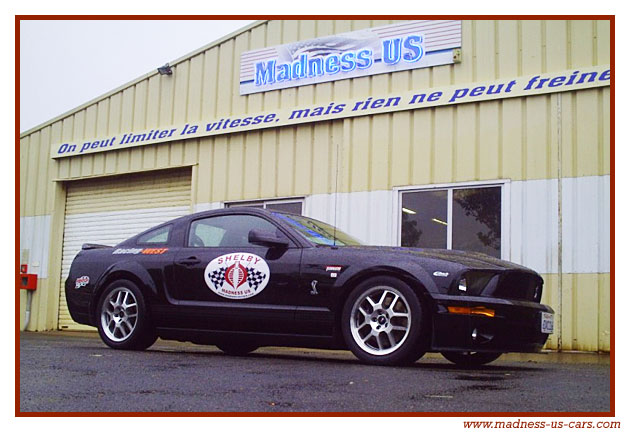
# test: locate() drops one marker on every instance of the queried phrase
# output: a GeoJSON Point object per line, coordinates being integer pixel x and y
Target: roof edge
{"type": "Point", "coordinates": [140, 78]}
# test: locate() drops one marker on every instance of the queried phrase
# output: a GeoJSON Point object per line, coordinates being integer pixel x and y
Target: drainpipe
{"type": "Point", "coordinates": [559, 138]}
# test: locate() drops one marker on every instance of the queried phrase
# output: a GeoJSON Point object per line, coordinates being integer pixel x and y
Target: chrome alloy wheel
{"type": "Point", "coordinates": [380, 320]}
{"type": "Point", "coordinates": [119, 314]}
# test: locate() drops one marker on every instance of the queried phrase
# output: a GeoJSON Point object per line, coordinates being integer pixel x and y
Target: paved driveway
{"type": "Point", "coordinates": [61, 371]}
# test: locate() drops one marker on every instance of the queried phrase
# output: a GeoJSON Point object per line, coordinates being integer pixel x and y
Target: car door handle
{"type": "Point", "coordinates": [190, 261]}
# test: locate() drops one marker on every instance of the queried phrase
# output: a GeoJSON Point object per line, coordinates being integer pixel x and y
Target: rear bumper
{"type": "Point", "coordinates": [515, 327]}
{"type": "Point", "coordinates": [78, 304]}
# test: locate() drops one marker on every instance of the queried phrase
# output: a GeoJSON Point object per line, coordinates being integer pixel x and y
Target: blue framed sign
{"type": "Point", "coordinates": [390, 48]}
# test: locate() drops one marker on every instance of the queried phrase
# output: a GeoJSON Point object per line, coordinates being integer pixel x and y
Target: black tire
{"type": "Point", "coordinates": [376, 333]}
{"type": "Point", "coordinates": [122, 317]}
{"type": "Point", "coordinates": [237, 348]}
{"type": "Point", "coordinates": [470, 358]}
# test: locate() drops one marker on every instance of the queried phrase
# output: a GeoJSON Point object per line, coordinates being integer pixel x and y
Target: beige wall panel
{"type": "Point", "coordinates": [587, 141]}
{"type": "Point", "coordinates": [203, 191]}
{"type": "Point", "coordinates": [269, 162]}
{"type": "Point", "coordinates": [512, 141]}
{"type": "Point", "coordinates": [486, 65]}
{"type": "Point", "coordinates": [605, 131]}
{"type": "Point", "coordinates": [285, 161]}
{"type": "Point", "coordinates": [140, 106]}
{"type": "Point", "coordinates": [445, 127]}
{"type": "Point", "coordinates": [490, 125]}
{"type": "Point", "coordinates": [256, 41]}
{"type": "Point", "coordinates": [180, 93]}
{"type": "Point", "coordinates": [195, 85]}
{"type": "Point", "coordinates": [531, 46]}
{"type": "Point", "coordinates": [90, 121]}
{"type": "Point", "coordinates": [359, 157]}
{"type": "Point", "coordinates": [536, 154]}
{"type": "Point", "coordinates": [360, 24]}
{"type": "Point", "coordinates": [604, 312]}
{"type": "Point", "coordinates": [219, 168]}
{"type": "Point", "coordinates": [380, 152]}
{"type": "Point", "coordinates": [251, 183]}
{"type": "Point", "coordinates": [303, 171]}
{"type": "Point", "coordinates": [465, 154]}
{"type": "Point", "coordinates": [191, 152]}
{"type": "Point", "coordinates": [464, 71]}
{"type": "Point", "coordinates": [586, 297]}
{"type": "Point", "coordinates": [24, 151]}
{"type": "Point", "coordinates": [115, 110]}
{"type": "Point", "coordinates": [585, 311]}
{"type": "Point", "coordinates": [127, 108]}
{"type": "Point", "coordinates": [210, 84]}
{"type": "Point", "coordinates": [602, 42]}
{"type": "Point", "coordinates": [322, 158]}
{"type": "Point", "coordinates": [508, 45]}
{"type": "Point", "coordinates": [581, 47]}
{"type": "Point", "coordinates": [324, 27]}
{"type": "Point", "coordinates": [40, 181]}
{"type": "Point", "coordinates": [225, 74]}
{"type": "Point", "coordinates": [401, 142]}
{"type": "Point", "coordinates": [335, 147]}
{"type": "Point", "coordinates": [241, 44]}
{"type": "Point", "coordinates": [236, 167]}
{"type": "Point", "coordinates": [556, 54]}
{"type": "Point", "coordinates": [422, 150]}
{"type": "Point", "coordinates": [55, 136]}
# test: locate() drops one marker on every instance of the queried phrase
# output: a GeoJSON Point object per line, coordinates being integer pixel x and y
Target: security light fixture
{"type": "Point", "coordinates": [165, 70]}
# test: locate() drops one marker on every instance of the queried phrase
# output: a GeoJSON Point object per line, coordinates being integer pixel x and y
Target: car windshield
{"type": "Point", "coordinates": [318, 232]}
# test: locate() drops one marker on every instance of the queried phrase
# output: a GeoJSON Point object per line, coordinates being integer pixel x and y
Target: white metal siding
{"type": "Point", "coordinates": [107, 211]}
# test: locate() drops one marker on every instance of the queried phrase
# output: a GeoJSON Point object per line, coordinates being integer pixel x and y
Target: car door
{"type": "Point", "coordinates": [221, 281]}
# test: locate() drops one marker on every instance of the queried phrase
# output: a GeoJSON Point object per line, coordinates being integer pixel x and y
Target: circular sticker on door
{"type": "Point", "coordinates": [237, 275]}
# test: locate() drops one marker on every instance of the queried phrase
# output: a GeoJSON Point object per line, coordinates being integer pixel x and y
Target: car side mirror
{"type": "Point", "coordinates": [266, 238]}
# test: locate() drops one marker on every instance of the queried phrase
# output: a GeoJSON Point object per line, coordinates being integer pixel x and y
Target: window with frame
{"type": "Point", "coordinates": [294, 206]}
{"type": "Point", "coordinates": [227, 231]}
{"type": "Point", "coordinates": [463, 218]}
{"type": "Point", "coordinates": [156, 236]}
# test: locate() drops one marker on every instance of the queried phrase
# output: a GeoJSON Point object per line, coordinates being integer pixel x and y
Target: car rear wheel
{"type": "Point", "coordinates": [123, 320]}
{"type": "Point", "coordinates": [470, 358]}
{"type": "Point", "coordinates": [383, 322]}
{"type": "Point", "coordinates": [237, 348]}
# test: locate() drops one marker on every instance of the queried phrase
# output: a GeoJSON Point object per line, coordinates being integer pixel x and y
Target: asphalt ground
{"type": "Point", "coordinates": [76, 372]}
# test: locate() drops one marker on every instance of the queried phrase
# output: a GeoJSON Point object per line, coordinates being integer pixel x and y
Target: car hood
{"type": "Point", "coordinates": [472, 260]}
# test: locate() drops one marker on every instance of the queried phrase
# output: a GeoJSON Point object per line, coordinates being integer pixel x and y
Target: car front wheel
{"type": "Point", "coordinates": [470, 358]}
{"type": "Point", "coordinates": [383, 322]}
{"type": "Point", "coordinates": [123, 320]}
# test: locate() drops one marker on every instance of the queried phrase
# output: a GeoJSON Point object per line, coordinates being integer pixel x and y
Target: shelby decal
{"type": "Point", "coordinates": [81, 282]}
{"type": "Point", "coordinates": [136, 251]}
{"type": "Point", "coordinates": [237, 275]}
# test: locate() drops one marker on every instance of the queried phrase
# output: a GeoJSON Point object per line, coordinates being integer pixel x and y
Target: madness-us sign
{"type": "Point", "coordinates": [237, 275]}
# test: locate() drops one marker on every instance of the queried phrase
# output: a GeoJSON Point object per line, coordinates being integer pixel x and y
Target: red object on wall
{"type": "Point", "coordinates": [23, 268]}
{"type": "Point", "coordinates": [27, 281]}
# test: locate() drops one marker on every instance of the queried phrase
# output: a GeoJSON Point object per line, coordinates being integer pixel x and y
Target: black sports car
{"type": "Point", "coordinates": [242, 278]}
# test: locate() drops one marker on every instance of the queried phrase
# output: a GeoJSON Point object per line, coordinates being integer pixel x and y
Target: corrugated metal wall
{"type": "Point", "coordinates": [516, 138]}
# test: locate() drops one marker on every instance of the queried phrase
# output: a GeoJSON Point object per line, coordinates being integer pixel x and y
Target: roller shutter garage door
{"type": "Point", "coordinates": [111, 209]}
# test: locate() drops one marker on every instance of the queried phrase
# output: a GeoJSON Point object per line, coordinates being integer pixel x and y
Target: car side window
{"type": "Point", "coordinates": [227, 231]}
{"type": "Point", "coordinates": [156, 236]}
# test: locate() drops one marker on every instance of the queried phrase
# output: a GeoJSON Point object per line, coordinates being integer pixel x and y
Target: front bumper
{"type": "Point", "coordinates": [515, 327]}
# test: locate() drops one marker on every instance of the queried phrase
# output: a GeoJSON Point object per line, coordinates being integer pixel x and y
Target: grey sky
{"type": "Point", "coordinates": [64, 64]}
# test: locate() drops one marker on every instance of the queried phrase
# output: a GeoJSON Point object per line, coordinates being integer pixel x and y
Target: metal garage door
{"type": "Point", "coordinates": [110, 209]}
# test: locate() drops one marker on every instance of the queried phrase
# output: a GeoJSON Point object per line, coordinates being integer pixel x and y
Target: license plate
{"type": "Point", "coordinates": [546, 322]}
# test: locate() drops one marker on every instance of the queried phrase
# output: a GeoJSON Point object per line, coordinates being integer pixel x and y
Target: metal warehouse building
{"type": "Point", "coordinates": [491, 136]}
